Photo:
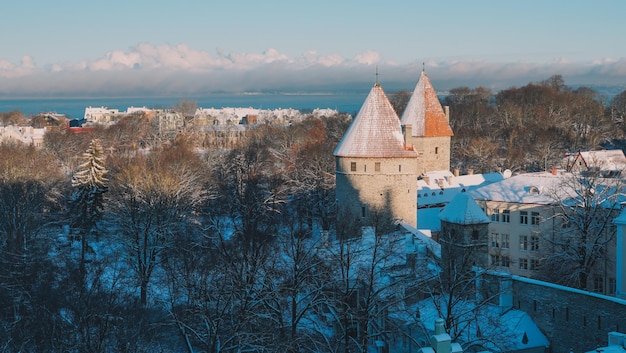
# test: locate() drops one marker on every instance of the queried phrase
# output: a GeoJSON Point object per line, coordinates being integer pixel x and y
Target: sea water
{"type": "Point", "coordinates": [75, 107]}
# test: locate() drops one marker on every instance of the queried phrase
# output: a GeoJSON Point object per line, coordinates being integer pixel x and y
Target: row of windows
{"type": "Point", "coordinates": [523, 263]}
{"type": "Point", "coordinates": [376, 167]}
{"type": "Point", "coordinates": [505, 217]}
{"type": "Point", "coordinates": [501, 241]}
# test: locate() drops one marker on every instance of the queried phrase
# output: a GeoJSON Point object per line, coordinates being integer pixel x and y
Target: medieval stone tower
{"type": "Point", "coordinates": [380, 157]}
{"type": "Point", "coordinates": [375, 170]}
{"type": "Point", "coordinates": [426, 127]}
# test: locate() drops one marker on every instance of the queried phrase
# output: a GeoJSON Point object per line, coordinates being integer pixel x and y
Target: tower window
{"type": "Point", "coordinates": [363, 211]}
{"type": "Point", "coordinates": [436, 150]}
{"type": "Point", "coordinates": [365, 167]}
{"type": "Point", "coordinates": [377, 167]}
{"type": "Point", "coordinates": [399, 167]}
{"type": "Point", "coordinates": [353, 166]}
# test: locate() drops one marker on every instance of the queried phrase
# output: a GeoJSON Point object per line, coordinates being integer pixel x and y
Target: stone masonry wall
{"type": "Point", "coordinates": [392, 187]}
{"type": "Point", "coordinates": [434, 152]}
{"type": "Point", "coordinates": [573, 320]}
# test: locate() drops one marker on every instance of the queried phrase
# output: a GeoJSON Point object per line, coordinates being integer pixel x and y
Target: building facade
{"type": "Point", "coordinates": [550, 223]}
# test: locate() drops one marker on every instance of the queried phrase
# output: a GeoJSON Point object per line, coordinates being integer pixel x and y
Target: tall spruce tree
{"type": "Point", "coordinates": [89, 184]}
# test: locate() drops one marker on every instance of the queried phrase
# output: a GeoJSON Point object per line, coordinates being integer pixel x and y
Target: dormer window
{"type": "Point", "coordinates": [533, 190]}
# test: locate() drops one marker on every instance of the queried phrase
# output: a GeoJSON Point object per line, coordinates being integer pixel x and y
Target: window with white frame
{"type": "Point", "coordinates": [506, 216]}
{"type": "Point", "coordinates": [495, 215]}
{"type": "Point", "coordinates": [523, 217]}
{"type": "Point", "coordinates": [495, 260]}
{"type": "Point", "coordinates": [505, 261]}
{"type": "Point", "coordinates": [534, 243]}
{"type": "Point", "coordinates": [495, 240]}
{"type": "Point", "coordinates": [534, 218]}
{"type": "Point", "coordinates": [598, 284]}
{"type": "Point", "coordinates": [523, 242]}
{"type": "Point", "coordinates": [523, 264]}
{"type": "Point", "coordinates": [504, 241]}
{"type": "Point", "coordinates": [534, 264]}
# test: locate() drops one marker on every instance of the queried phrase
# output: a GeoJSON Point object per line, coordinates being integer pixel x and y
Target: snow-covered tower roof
{"type": "Point", "coordinates": [424, 112]}
{"type": "Point", "coordinates": [463, 210]}
{"type": "Point", "coordinates": [376, 130]}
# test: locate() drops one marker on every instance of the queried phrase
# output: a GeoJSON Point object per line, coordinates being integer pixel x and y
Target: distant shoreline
{"type": "Point", "coordinates": [75, 107]}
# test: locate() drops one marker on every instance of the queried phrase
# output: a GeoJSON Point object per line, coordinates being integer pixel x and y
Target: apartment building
{"type": "Point", "coordinates": [541, 223]}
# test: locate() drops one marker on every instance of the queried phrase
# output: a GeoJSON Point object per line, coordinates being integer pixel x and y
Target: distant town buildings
{"type": "Point", "coordinates": [27, 135]}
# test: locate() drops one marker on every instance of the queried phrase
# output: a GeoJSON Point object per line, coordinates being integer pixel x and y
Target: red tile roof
{"type": "Point", "coordinates": [424, 112]}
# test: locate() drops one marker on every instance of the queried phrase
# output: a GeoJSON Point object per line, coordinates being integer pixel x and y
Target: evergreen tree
{"type": "Point", "coordinates": [89, 184]}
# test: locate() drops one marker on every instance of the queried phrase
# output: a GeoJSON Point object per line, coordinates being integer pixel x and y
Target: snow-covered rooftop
{"type": "Point", "coordinates": [424, 236]}
{"type": "Point", "coordinates": [375, 131]}
{"type": "Point", "coordinates": [535, 188]}
{"type": "Point", "coordinates": [544, 188]}
{"type": "Point", "coordinates": [424, 112]}
{"type": "Point", "coordinates": [602, 160]}
{"type": "Point", "coordinates": [510, 331]}
{"type": "Point", "coordinates": [439, 187]}
{"type": "Point", "coordinates": [463, 210]}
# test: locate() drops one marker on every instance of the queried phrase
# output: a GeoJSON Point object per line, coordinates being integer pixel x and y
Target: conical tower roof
{"type": "Point", "coordinates": [462, 209]}
{"type": "Point", "coordinates": [424, 112]}
{"type": "Point", "coordinates": [376, 130]}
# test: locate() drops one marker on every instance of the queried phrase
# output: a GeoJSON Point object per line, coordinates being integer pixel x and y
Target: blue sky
{"type": "Point", "coordinates": [162, 47]}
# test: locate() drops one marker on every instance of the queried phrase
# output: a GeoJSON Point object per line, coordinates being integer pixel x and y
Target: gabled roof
{"type": "Point", "coordinates": [463, 210]}
{"type": "Point", "coordinates": [376, 130]}
{"type": "Point", "coordinates": [602, 160]}
{"type": "Point", "coordinates": [532, 188]}
{"type": "Point", "coordinates": [440, 187]}
{"type": "Point", "coordinates": [424, 112]}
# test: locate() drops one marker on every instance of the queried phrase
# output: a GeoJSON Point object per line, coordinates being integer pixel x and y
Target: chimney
{"type": "Point", "coordinates": [555, 171]}
{"type": "Point", "coordinates": [446, 111]}
{"type": "Point", "coordinates": [439, 326]}
{"type": "Point", "coordinates": [456, 172]}
{"type": "Point", "coordinates": [470, 172]}
{"type": "Point", "coordinates": [440, 341]}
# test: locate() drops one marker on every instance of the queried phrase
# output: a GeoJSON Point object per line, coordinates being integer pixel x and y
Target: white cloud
{"type": "Point", "coordinates": [368, 58]}
{"type": "Point", "coordinates": [178, 69]}
{"type": "Point", "coordinates": [27, 66]}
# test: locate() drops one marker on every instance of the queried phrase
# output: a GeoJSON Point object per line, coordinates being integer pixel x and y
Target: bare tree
{"type": "Point", "coordinates": [156, 197]}
{"type": "Point", "coordinates": [186, 107]}
{"type": "Point", "coordinates": [29, 193]}
{"type": "Point", "coordinates": [585, 205]}
{"type": "Point", "coordinates": [617, 110]}
{"type": "Point", "coordinates": [362, 291]}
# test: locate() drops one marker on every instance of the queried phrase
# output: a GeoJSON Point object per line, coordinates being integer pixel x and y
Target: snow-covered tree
{"type": "Point", "coordinates": [585, 205]}
{"type": "Point", "coordinates": [156, 199]}
{"type": "Point", "coordinates": [90, 184]}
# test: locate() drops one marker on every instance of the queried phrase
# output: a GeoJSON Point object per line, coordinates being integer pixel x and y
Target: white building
{"type": "Point", "coordinates": [102, 115]}
{"type": "Point", "coordinates": [24, 134]}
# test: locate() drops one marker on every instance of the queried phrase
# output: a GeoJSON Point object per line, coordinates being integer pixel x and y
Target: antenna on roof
{"type": "Point", "coordinates": [423, 66]}
{"type": "Point", "coordinates": [376, 84]}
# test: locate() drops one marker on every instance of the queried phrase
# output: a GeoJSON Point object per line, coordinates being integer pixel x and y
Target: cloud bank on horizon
{"type": "Point", "coordinates": [179, 70]}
